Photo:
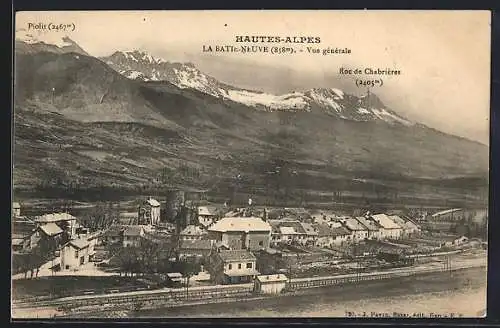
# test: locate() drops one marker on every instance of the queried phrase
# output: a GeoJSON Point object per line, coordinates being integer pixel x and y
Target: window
{"type": "Point", "coordinates": [261, 243]}
{"type": "Point", "coordinates": [76, 254]}
{"type": "Point", "coordinates": [239, 265]}
{"type": "Point", "coordinates": [230, 266]}
{"type": "Point", "coordinates": [249, 265]}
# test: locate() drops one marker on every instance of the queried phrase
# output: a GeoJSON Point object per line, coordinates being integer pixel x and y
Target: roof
{"type": "Point", "coordinates": [243, 224]}
{"type": "Point", "coordinates": [203, 244]}
{"type": "Point", "coordinates": [340, 231]}
{"type": "Point", "coordinates": [205, 210]}
{"type": "Point", "coordinates": [129, 214]}
{"type": "Point", "coordinates": [405, 224]}
{"type": "Point", "coordinates": [272, 278]}
{"type": "Point", "coordinates": [51, 229]}
{"type": "Point", "coordinates": [385, 221]}
{"type": "Point", "coordinates": [174, 275]}
{"type": "Point", "coordinates": [323, 230]}
{"type": "Point", "coordinates": [16, 205]}
{"type": "Point", "coordinates": [236, 255]}
{"type": "Point", "coordinates": [452, 210]}
{"type": "Point", "coordinates": [79, 243]}
{"type": "Point", "coordinates": [308, 228]}
{"type": "Point", "coordinates": [134, 230]}
{"type": "Point", "coordinates": [369, 224]}
{"type": "Point", "coordinates": [55, 217]}
{"type": "Point", "coordinates": [153, 202]}
{"type": "Point", "coordinates": [354, 225]}
{"type": "Point", "coordinates": [193, 230]}
{"type": "Point", "coordinates": [17, 241]}
{"type": "Point", "coordinates": [288, 231]}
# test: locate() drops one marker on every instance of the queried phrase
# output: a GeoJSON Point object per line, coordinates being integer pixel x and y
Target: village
{"type": "Point", "coordinates": [180, 244]}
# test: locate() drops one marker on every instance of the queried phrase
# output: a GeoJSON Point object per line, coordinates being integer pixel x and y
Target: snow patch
{"type": "Point", "coordinates": [362, 110]}
{"type": "Point", "coordinates": [389, 117]}
{"type": "Point", "coordinates": [287, 101]}
{"type": "Point", "coordinates": [325, 101]}
{"type": "Point", "coordinates": [338, 92]}
{"type": "Point", "coordinates": [41, 36]}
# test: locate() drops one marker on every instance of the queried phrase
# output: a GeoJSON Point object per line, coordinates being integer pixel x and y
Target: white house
{"type": "Point", "coordinates": [206, 215]}
{"type": "Point", "coordinates": [359, 231]}
{"type": "Point", "coordinates": [371, 226]}
{"type": "Point", "coordinates": [75, 253]}
{"type": "Point", "coordinates": [232, 266]}
{"type": "Point", "coordinates": [389, 228]}
{"type": "Point", "coordinates": [149, 212]}
{"type": "Point", "coordinates": [270, 284]}
{"type": "Point", "coordinates": [16, 209]}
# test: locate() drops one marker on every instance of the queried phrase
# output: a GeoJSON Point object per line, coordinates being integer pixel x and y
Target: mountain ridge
{"type": "Point", "coordinates": [124, 131]}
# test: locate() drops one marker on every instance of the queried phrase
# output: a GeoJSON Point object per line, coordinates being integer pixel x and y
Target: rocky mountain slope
{"type": "Point", "coordinates": [78, 122]}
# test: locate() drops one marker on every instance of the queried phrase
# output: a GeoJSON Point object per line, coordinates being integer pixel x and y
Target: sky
{"type": "Point", "coordinates": [443, 56]}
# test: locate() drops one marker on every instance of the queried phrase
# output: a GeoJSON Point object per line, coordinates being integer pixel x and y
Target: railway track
{"type": "Point", "coordinates": [211, 294]}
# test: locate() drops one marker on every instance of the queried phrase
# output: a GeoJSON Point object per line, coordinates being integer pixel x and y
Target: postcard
{"type": "Point", "coordinates": [250, 164]}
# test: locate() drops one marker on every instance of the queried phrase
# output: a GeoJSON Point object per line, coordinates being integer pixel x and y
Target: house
{"type": "Point", "coordinates": [132, 235]}
{"type": "Point", "coordinates": [341, 236]}
{"type": "Point", "coordinates": [407, 228]}
{"type": "Point", "coordinates": [232, 267]}
{"type": "Point", "coordinates": [329, 237]}
{"type": "Point", "coordinates": [113, 235]}
{"type": "Point", "coordinates": [196, 248]}
{"type": "Point", "coordinates": [192, 232]}
{"type": "Point", "coordinates": [16, 209]}
{"type": "Point", "coordinates": [287, 231]}
{"type": "Point", "coordinates": [270, 284]}
{"type": "Point", "coordinates": [310, 233]}
{"type": "Point", "coordinates": [371, 226]}
{"type": "Point", "coordinates": [149, 212]}
{"type": "Point", "coordinates": [65, 221]}
{"type": "Point", "coordinates": [174, 278]}
{"type": "Point", "coordinates": [75, 253]}
{"type": "Point", "coordinates": [389, 228]}
{"type": "Point", "coordinates": [206, 216]}
{"type": "Point", "coordinates": [241, 233]}
{"type": "Point", "coordinates": [411, 227]}
{"type": "Point", "coordinates": [50, 234]}
{"type": "Point", "coordinates": [359, 231]}
{"type": "Point", "coordinates": [22, 230]}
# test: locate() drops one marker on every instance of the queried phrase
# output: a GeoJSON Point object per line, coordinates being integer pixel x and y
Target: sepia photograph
{"type": "Point", "coordinates": [236, 164]}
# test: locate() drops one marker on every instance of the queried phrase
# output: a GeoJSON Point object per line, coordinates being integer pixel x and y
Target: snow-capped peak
{"type": "Point", "coordinates": [332, 101]}
{"type": "Point", "coordinates": [39, 36]}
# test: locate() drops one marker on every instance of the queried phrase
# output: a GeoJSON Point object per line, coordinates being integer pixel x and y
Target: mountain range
{"type": "Point", "coordinates": [129, 118]}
